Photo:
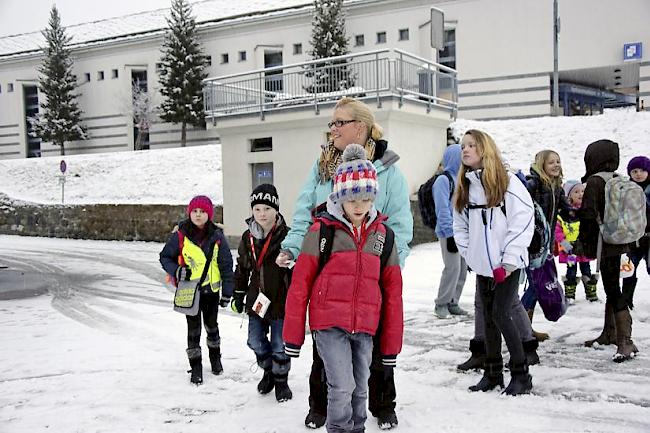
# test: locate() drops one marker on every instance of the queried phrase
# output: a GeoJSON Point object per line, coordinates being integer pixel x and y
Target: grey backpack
{"type": "Point", "coordinates": [624, 219]}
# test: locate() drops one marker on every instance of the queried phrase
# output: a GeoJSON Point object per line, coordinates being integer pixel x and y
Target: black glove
{"type": "Point", "coordinates": [224, 301]}
{"type": "Point", "coordinates": [237, 303]}
{"type": "Point", "coordinates": [451, 245]}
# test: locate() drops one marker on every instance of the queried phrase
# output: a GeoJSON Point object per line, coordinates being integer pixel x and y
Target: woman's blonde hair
{"type": "Point", "coordinates": [362, 113]}
{"type": "Point", "coordinates": [494, 176]}
{"type": "Point", "coordinates": [540, 160]}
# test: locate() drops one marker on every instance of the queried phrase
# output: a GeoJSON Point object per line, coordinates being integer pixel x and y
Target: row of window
{"type": "Point", "coordinates": [100, 75]}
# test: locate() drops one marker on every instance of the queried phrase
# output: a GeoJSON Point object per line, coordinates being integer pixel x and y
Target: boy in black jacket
{"type": "Point", "coordinates": [258, 280]}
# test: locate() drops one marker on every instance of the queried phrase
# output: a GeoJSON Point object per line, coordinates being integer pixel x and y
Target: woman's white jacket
{"type": "Point", "coordinates": [488, 238]}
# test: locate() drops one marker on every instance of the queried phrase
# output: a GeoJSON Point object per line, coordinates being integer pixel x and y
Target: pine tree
{"type": "Point", "coordinates": [183, 63]}
{"type": "Point", "coordinates": [328, 40]}
{"type": "Point", "coordinates": [61, 117]}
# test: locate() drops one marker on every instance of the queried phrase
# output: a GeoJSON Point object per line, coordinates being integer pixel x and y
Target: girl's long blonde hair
{"type": "Point", "coordinates": [494, 176]}
{"type": "Point", "coordinates": [540, 160]}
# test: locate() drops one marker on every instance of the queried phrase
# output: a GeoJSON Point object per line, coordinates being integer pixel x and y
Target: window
{"type": "Point", "coordinates": [297, 49]}
{"type": "Point", "coordinates": [208, 60]}
{"type": "Point", "coordinates": [87, 77]}
{"type": "Point", "coordinates": [242, 56]}
{"type": "Point", "coordinates": [10, 87]}
{"type": "Point", "coordinates": [447, 56]}
{"type": "Point", "coordinates": [100, 75]}
{"type": "Point", "coordinates": [404, 34]}
{"type": "Point", "coordinates": [224, 58]}
{"type": "Point", "coordinates": [381, 37]}
{"type": "Point", "coordinates": [0, 88]}
{"type": "Point", "coordinates": [359, 41]}
{"type": "Point", "coordinates": [262, 173]}
{"type": "Point", "coordinates": [114, 73]}
{"type": "Point", "coordinates": [261, 144]}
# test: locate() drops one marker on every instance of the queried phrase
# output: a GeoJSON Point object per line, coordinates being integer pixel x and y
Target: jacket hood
{"type": "Point", "coordinates": [389, 158]}
{"type": "Point", "coordinates": [451, 159]}
{"type": "Point", "coordinates": [256, 229]}
{"type": "Point", "coordinates": [601, 155]}
{"type": "Point", "coordinates": [336, 211]}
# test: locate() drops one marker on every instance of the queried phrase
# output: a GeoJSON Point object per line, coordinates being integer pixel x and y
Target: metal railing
{"type": "Point", "coordinates": [370, 75]}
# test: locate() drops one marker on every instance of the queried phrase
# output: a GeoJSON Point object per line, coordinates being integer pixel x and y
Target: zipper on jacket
{"type": "Point", "coordinates": [359, 244]}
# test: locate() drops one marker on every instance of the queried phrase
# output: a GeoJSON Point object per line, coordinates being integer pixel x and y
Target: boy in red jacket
{"type": "Point", "coordinates": [350, 295]}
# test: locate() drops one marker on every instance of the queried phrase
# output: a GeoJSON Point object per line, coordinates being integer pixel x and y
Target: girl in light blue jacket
{"type": "Point", "coordinates": [353, 122]}
{"type": "Point", "coordinates": [493, 226]}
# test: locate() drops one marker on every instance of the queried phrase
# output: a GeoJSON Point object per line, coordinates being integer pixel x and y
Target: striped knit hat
{"type": "Point", "coordinates": [355, 177]}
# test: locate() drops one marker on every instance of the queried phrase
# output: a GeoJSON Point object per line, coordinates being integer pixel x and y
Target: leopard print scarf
{"type": "Point", "coordinates": [331, 158]}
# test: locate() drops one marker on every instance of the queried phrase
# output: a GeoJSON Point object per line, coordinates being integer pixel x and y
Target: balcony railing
{"type": "Point", "coordinates": [370, 75]}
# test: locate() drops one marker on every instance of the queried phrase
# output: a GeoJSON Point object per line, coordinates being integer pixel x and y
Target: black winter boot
{"type": "Point", "coordinates": [215, 360]}
{"type": "Point", "coordinates": [521, 382]}
{"type": "Point", "coordinates": [476, 361]}
{"type": "Point", "coordinates": [267, 383]}
{"type": "Point", "coordinates": [282, 390]}
{"type": "Point", "coordinates": [314, 419]}
{"type": "Point", "coordinates": [387, 420]}
{"type": "Point", "coordinates": [197, 371]}
{"type": "Point", "coordinates": [530, 349]}
{"type": "Point", "coordinates": [492, 376]}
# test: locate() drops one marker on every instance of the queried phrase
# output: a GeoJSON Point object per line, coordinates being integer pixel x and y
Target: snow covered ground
{"type": "Point", "coordinates": [103, 351]}
{"type": "Point", "coordinates": [96, 346]}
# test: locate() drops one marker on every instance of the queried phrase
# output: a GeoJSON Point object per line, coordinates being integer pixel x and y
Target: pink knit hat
{"type": "Point", "coordinates": [201, 202]}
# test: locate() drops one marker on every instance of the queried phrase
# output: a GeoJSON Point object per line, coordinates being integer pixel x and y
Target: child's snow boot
{"type": "Point", "coordinates": [569, 290]}
{"type": "Point", "coordinates": [492, 376]}
{"type": "Point", "coordinates": [282, 390]}
{"type": "Point", "coordinates": [521, 382]}
{"type": "Point", "coordinates": [314, 419]}
{"type": "Point", "coordinates": [196, 368]}
{"type": "Point", "coordinates": [530, 349]}
{"type": "Point", "coordinates": [215, 360]}
{"type": "Point", "coordinates": [387, 420]}
{"type": "Point", "coordinates": [475, 362]}
{"type": "Point", "coordinates": [591, 287]}
{"type": "Point", "coordinates": [540, 336]}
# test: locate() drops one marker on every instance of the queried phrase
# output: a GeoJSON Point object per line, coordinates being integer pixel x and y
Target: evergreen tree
{"type": "Point", "coordinates": [328, 40]}
{"type": "Point", "coordinates": [61, 117]}
{"type": "Point", "coordinates": [183, 63]}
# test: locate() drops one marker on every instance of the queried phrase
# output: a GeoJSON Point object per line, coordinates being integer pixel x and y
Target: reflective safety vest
{"type": "Point", "coordinates": [570, 229]}
{"type": "Point", "coordinates": [194, 258]}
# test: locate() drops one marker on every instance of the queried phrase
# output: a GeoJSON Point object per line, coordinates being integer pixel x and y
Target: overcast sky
{"type": "Point", "coordinates": [25, 16]}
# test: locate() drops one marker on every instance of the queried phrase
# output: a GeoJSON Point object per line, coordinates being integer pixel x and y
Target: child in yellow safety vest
{"type": "Point", "coordinates": [566, 234]}
{"type": "Point", "coordinates": [198, 243]}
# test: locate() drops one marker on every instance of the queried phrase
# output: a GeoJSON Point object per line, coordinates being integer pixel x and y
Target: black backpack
{"type": "Point", "coordinates": [327, 238]}
{"type": "Point", "coordinates": [425, 199]}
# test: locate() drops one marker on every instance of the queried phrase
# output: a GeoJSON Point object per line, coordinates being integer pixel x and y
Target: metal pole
{"type": "Point", "coordinates": [556, 86]}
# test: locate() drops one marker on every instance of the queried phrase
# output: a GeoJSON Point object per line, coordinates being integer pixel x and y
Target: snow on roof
{"type": "Point", "coordinates": [206, 12]}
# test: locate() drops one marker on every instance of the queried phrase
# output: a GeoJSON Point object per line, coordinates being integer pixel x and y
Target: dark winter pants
{"type": "Point", "coordinates": [610, 271]}
{"type": "Point", "coordinates": [381, 385]}
{"type": "Point", "coordinates": [636, 254]}
{"type": "Point", "coordinates": [572, 272]}
{"type": "Point", "coordinates": [208, 307]}
{"type": "Point", "coordinates": [497, 308]}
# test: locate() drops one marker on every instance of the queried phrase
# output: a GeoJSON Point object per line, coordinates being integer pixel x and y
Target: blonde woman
{"type": "Point", "coordinates": [353, 122]}
{"type": "Point", "coordinates": [493, 226]}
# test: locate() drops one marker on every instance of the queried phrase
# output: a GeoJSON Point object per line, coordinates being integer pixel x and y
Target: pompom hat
{"type": "Point", "coordinates": [641, 162]}
{"type": "Point", "coordinates": [201, 202]}
{"type": "Point", "coordinates": [355, 177]}
{"type": "Point", "coordinates": [569, 185]}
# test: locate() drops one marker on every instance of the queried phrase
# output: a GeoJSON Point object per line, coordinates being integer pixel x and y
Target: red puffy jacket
{"type": "Point", "coordinates": [347, 293]}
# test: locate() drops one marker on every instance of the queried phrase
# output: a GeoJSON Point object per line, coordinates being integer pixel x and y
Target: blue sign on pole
{"type": "Point", "coordinates": [633, 51]}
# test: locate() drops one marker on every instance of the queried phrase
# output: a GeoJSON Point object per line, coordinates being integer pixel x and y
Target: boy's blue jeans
{"type": "Point", "coordinates": [268, 352]}
{"type": "Point", "coordinates": [347, 358]}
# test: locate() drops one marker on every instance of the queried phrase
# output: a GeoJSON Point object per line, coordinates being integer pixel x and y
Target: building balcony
{"type": "Point", "coordinates": [370, 76]}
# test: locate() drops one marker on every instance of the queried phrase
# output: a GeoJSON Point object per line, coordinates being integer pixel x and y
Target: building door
{"type": "Point", "coordinates": [139, 92]}
{"type": "Point", "coordinates": [273, 80]}
{"type": "Point", "coordinates": [30, 96]}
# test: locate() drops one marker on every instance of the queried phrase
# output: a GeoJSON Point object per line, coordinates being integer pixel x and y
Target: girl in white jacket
{"type": "Point", "coordinates": [493, 226]}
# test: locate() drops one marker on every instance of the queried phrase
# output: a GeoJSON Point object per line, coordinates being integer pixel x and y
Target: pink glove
{"type": "Point", "coordinates": [499, 275]}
